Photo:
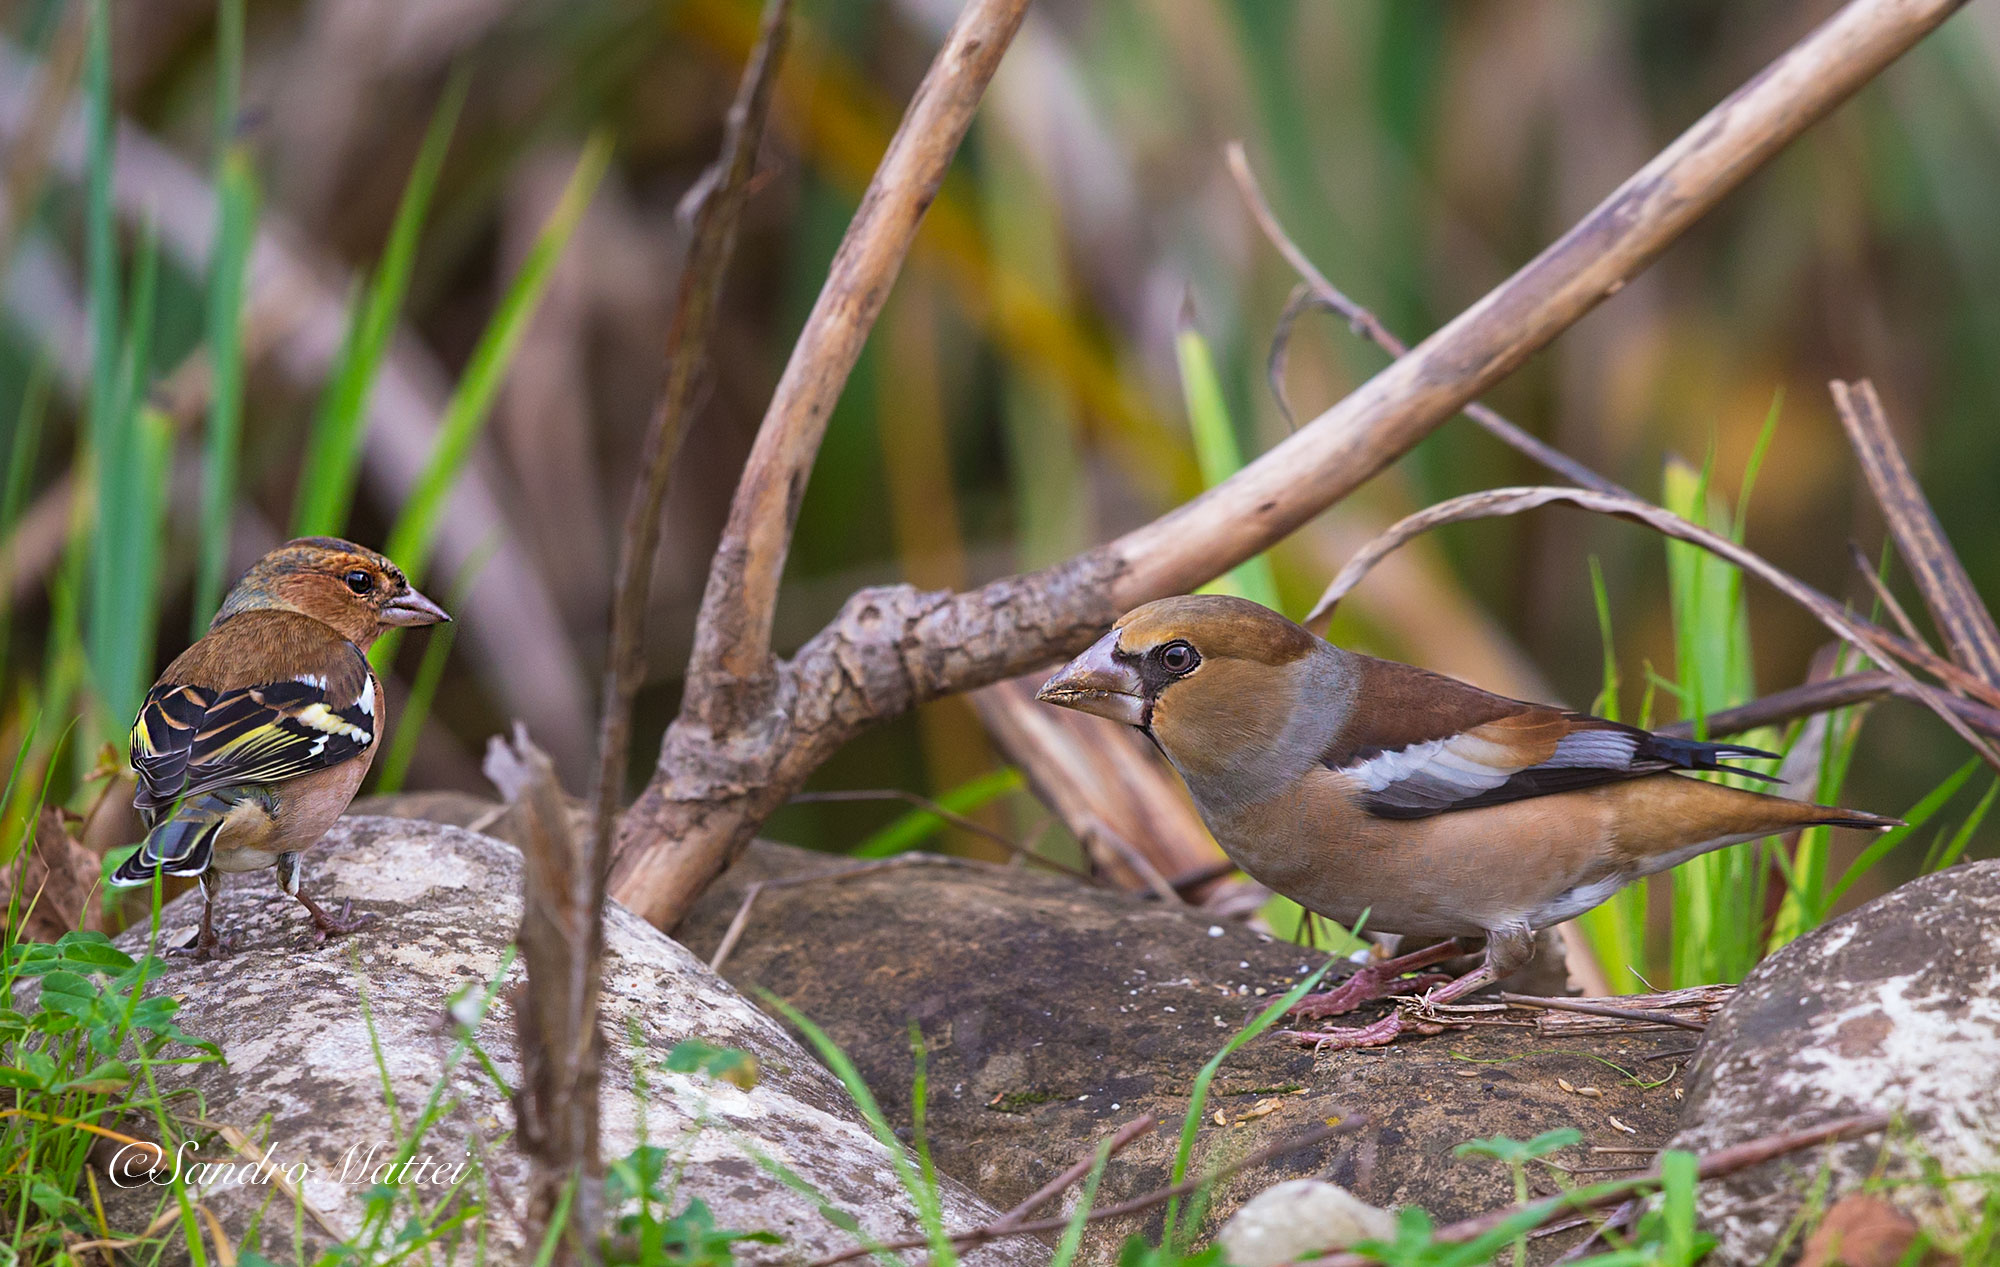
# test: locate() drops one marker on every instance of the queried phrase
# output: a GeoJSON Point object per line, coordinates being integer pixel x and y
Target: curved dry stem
{"type": "Point", "coordinates": [1865, 636]}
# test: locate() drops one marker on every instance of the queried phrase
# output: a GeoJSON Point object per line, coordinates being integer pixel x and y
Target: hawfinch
{"type": "Point", "coordinates": [254, 741]}
{"type": "Point", "coordinates": [1348, 783]}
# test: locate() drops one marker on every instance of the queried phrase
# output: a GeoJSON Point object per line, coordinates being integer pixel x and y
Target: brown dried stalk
{"type": "Point", "coordinates": [1820, 697]}
{"type": "Point", "coordinates": [752, 731]}
{"type": "Point", "coordinates": [1961, 616]}
{"type": "Point", "coordinates": [562, 1045]}
{"type": "Point", "coordinates": [730, 674]}
{"type": "Point", "coordinates": [711, 246]}
{"type": "Point", "coordinates": [1870, 640]}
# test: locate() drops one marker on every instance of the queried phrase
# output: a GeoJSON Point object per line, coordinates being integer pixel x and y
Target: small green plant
{"type": "Point", "coordinates": [642, 1234]}
{"type": "Point", "coordinates": [1516, 1155]}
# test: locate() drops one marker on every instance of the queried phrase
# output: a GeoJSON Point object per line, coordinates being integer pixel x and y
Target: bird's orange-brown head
{"type": "Point", "coordinates": [352, 589]}
{"type": "Point", "coordinates": [1214, 680]}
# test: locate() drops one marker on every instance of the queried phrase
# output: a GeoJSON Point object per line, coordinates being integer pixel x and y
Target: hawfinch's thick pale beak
{"type": "Point", "coordinates": [1097, 682]}
{"type": "Point", "coordinates": [413, 609]}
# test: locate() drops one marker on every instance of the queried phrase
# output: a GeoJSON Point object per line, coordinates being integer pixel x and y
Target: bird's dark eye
{"type": "Point", "coordinates": [1179, 657]}
{"type": "Point", "coordinates": [359, 581]}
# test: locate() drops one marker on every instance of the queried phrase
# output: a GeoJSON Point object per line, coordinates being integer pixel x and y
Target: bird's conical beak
{"type": "Point", "coordinates": [1099, 682]}
{"type": "Point", "coordinates": [413, 609]}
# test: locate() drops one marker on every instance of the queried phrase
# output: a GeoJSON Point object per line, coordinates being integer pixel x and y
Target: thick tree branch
{"type": "Point", "coordinates": [722, 769]}
{"type": "Point", "coordinates": [730, 676]}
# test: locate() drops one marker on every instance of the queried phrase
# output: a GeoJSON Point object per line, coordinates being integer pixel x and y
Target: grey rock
{"type": "Point", "coordinates": [1894, 1006]}
{"type": "Point", "coordinates": [1055, 1012]}
{"type": "Point", "coordinates": [1299, 1218]}
{"type": "Point", "coordinates": [302, 1078]}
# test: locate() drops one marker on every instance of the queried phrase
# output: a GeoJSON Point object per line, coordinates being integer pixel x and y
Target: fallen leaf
{"type": "Point", "coordinates": [1861, 1230]}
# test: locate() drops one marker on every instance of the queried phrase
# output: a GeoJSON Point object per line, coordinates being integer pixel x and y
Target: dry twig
{"type": "Point", "coordinates": [995, 1231]}
{"type": "Point", "coordinates": [710, 248]}
{"type": "Point", "coordinates": [1724, 1161]}
{"type": "Point", "coordinates": [1076, 1173]}
{"type": "Point", "coordinates": [1871, 640]}
{"type": "Point", "coordinates": [751, 732]}
{"type": "Point", "coordinates": [1641, 1012]}
{"type": "Point", "coordinates": [1961, 616]}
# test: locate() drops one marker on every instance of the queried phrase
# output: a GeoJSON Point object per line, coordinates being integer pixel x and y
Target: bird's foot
{"type": "Point", "coordinates": [1379, 1034]}
{"type": "Point", "coordinates": [205, 949]}
{"type": "Point", "coordinates": [1371, 982]}
{"type": "Point", "coordinates": [327, 925]}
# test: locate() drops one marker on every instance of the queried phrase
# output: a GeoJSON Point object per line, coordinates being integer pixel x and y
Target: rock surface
{"type": "Point", "coordinates": [1055, 1012]}
{"type": "Point", "coordinates": [1894, 1006]}
{"type": "Point", "coordinates": [302, 1077]}
{"type": "Point", "coordinates": [1298, 1219]}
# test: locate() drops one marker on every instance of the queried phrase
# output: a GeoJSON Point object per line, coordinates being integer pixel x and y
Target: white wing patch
{"type": "Point", "coordinates": [324, 719]}
{"type": "Point", "coordinates": [367, 701]}
{"type": "Point", "coordinates": [1595, 749]}
{"type": "Point", "coordinates": [314, 680]}
{"type": "Point", "coordinates": [1453, 763]}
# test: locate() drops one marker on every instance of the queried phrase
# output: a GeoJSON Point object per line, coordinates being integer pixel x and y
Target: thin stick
{"type": "Point", "coordinates": [1368, 326]}
{"type": "Point", "coordinates": [992, 1231]}
{"type": "Point", "coordinates": [1714, 1165]}
{"type": "Point", "coordinates": [1075, 1174]}
{"type": "Point", "coordinates": [1589, 1007]}
{"type": "Point", "coordinates": [1867, 637]}
{"type": "Point", "coordinates": [1825, 696]}
{"type": "Point", "coordinates": [1890, 603]}
{"type": "Point", "coordinates": [1961, 616]}
{"type": "Point", "coordinates": [711, 246]}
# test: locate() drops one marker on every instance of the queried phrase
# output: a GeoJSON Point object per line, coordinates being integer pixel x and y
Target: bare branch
{"type": "Point", "coordinates": [724, 766]}
{"type": "Point", "coordinates": [711, 247]}
{"type": "Point", "coordinates": [729, 675]}
{"type": "Point", "coordinates": [1368, 326]}
{"type": "Point", "coordinates": [1820, 697]}
{"type": "Point", "coordinates": [1967, 625]}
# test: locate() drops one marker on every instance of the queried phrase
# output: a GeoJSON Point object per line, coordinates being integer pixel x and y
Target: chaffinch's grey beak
{"type": "Point", "coordinates": [413, 609]}
{"type": "Point", "coordinates": [1099, 682]}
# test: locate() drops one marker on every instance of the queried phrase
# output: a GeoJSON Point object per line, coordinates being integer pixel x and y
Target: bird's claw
{"type": "Point", "coordinates": [325, 925]}
{"type": "Point", "coordinates": [1365, 986]}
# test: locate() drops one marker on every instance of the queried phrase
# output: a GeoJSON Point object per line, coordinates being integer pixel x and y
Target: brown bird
{"type": "Point", "coordinates": [255, 739]}
{"type": "Point", "coordinates": [1353, 784]}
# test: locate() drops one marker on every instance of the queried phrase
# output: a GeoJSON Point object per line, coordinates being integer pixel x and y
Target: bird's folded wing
{"type": "Point", "coordinates": [192, 738]}
{"type": "Point", "coordinates": [1430, 744]}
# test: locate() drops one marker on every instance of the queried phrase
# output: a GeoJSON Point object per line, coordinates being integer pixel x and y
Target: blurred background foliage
{"type": "Point", "coordinates": [418, 322]}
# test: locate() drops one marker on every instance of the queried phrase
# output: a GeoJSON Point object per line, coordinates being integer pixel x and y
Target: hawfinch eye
{"type": "Point", "coordinates": [359, 581]}
{"type": "Point", "coordinates": [1179, 657]}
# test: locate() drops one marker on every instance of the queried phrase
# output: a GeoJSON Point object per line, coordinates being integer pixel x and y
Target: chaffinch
{"type": "Point", "coordinates": [255, 739]}
{"type": "Point", "coordinates": [1348, 783]}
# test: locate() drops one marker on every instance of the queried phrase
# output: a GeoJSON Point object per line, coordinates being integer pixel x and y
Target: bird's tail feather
{"type": "Point", "coordinates": [1834, 816]}
{"type": "Point", "coordinates": [184, 843]}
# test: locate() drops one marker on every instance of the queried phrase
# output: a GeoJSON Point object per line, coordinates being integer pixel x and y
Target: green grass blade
{"type": "Point", "coordinates": [23, 453]}
{"type": "Point", "coordinates": [131, 460]}
{"type": "Point", "coordinates": [1198, 1094]}
{"type": "Point", "coordinates": [465, 415]}
{"type": "Point", "coordinates": [1919, 814]}
{"type": "Point", "coordinates": [1219, 455]}
{"type": "Point", "coordinates": [1072, 1234]}
{"type": "Point", "coordinates": [930, 1211]}
{"type": "Point", "coordinates": [235, 235]}
{"type": "Point", "coordinates": [333, 452]}
{"type": "Point", "coordinates": [1963, 836]}
{"type": "Point", "coordinates": [909, 830]}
